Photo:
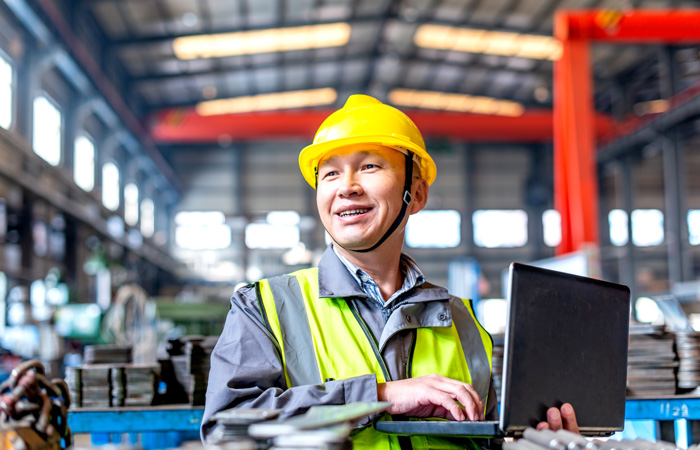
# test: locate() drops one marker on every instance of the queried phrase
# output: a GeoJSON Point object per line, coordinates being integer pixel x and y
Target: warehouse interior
{"type": "Point", "coordinates": [149, 159]}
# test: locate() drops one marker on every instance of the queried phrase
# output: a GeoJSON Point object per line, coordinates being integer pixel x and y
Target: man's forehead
{"type": "Point", "coordinates": [360, 151]}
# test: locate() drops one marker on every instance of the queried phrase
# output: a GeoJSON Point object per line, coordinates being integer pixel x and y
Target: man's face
{"type": "Point", "coordinates": [359, 194]}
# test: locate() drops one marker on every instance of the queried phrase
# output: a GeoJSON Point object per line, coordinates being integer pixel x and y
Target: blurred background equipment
{"type": "Point", "coordinates": [131, 320]}
{"type": "Point", "coordinates": [33, 410]}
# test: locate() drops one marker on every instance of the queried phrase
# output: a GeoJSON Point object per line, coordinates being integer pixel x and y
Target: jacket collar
{"type": "Point", "coordinates": [334, 280]}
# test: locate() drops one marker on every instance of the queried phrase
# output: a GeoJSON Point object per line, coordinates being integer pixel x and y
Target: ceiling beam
{"type": "Point", "coordinates": [185, 125]}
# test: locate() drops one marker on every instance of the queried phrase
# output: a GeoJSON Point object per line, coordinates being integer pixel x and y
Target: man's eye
{"type": "Point", "coordinates": [330, 173]}
{"type": "Point", "coordinates": [371, 166]}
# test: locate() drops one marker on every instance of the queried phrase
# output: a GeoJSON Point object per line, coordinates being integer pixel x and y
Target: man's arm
{"type": "Point", "coordinates": [246, 370]}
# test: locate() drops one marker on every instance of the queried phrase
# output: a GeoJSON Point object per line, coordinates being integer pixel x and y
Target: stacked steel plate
{"type": "Point", "coordinates": [95, 386]}
{"type": "Point", "coordinates": [140, 382]}
{"type": "Point", "coordinates": [688, 349]}
{"type": "Point", "coordinates": [105, 354]}
{"type": "Point", "coordinates": [232, 424]}
{"type": "Point", "coordinates": [108, 379]}
{"type": "Point", "coordinates": [651, 361]}
{"type": "Point", "coordinates": [74, 386]}
{"type": "Point", "coordinates": [192, 366]}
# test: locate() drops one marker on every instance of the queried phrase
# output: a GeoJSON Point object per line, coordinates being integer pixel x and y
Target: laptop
{"type": "Point", "coordinates": [566, 341]}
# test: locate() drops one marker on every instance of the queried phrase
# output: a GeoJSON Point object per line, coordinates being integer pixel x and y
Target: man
{"type": "Point", "coordinates": [365, 325]}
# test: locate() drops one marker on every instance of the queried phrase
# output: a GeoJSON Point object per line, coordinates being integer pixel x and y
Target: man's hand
{"type": "Point", "coordinates": [432, 396]}
{"type": "Point", "coordinates": [558, 419]}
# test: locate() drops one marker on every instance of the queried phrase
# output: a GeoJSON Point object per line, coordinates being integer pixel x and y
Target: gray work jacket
{"type": "Point", "coordinates": [246, 370]}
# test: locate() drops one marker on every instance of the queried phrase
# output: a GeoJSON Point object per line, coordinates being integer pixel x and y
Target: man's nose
{"type": "Point", "coordinates": [349, 184]}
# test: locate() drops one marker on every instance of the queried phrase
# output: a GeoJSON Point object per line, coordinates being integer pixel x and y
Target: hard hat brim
{"type": "Point", "coordinates": [310, 156]}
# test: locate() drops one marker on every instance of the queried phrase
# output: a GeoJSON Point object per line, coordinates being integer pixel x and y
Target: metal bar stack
{"type": "Point", "coordinates": [651, 362]}
{"type": "Point", "coordinates": [688, 349]}
{"type": "Point", "coordinates": [565, 440]}
{"type": "Point", "coordinates": [192, 366]}
{"type": "Point", "coordinates": [108, 379]}
{"type": "Point", "coordinates": [321, 428]}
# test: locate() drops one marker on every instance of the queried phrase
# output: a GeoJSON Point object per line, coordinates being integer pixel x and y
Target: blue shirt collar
{"type": "Point", "coordinates": [409, 269]}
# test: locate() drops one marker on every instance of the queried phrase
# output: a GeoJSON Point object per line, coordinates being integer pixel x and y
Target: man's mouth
{"type": "Point", "coordinates": [353, 212]}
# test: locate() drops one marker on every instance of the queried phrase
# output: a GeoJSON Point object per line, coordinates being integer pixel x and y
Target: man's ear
{"type": "Point", "coordinates": [420, 195]}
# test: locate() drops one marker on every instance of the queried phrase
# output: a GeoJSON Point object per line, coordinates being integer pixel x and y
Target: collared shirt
{"type": "Point", "coordinates": [409, 270]}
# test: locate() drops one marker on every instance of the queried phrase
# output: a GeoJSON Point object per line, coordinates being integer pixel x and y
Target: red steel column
{"type": "Point", "coordinates": [575, 172]}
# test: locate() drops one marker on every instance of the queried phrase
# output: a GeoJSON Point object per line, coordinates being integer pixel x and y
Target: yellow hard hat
{"type": "Point", "coordinates": [366, 120]}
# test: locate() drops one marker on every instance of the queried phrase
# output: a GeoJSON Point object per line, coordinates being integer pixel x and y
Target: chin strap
{"type": "Point", "coordinates": [405, 201]}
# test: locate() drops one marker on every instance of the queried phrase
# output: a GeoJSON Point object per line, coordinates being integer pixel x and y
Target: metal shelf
{"type": "Point", "coordinates": [136, 419]}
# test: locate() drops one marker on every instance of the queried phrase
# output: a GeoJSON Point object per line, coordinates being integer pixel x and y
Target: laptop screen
{"type": "Point", "coordinates": [566, 341]}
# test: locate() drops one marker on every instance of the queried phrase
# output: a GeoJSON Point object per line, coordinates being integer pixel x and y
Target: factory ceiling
{"type": "Point", "coordinates": [173, 58]}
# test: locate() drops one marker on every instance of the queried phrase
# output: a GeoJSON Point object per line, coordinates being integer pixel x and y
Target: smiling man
{"type": "Point", "coordinates": [364, 325]}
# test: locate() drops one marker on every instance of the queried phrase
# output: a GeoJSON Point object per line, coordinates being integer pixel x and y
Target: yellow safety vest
{"type": "Point", "coordinates": [325, 338]}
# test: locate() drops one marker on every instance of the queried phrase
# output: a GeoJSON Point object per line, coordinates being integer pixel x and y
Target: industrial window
{"type": "Point", "coordinates": [551, 227]}
{"type": "Point", "coordinates": [6, 90]}
{"type": "Point", "coordinates": [694, 226]}
{"type": "Point", "coordinates": [148, 217]}
{"type": "Point", "coordinates": [84, 163]}
{"type": "Point", "coordinates": [131, 204]}
{"type": "Point", "coordinates": [500, 228]}
{"type": "Point", "coordinates": [280, 230]}
{"type": "Point", "coordinates": [47, 130]}
{"type": "Point", "coordinates": [110, 186]}
{"type": "Point", "coordinates": [617, 220]}
{"type": "Point", "coordinates": [647, 227]}
{"type": "Point", "coordinates": [199, 230]}
{"type": "Point", "coordinates": [434, 229]}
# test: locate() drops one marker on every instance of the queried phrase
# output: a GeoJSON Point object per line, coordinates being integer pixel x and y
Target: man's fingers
{"type": "Point", "coordinates": [467, 396]}
{"type": "Point", "coordinates": [554, 419]}
{"type": "Point", "coordinates": [477, 400]}
{"type": "Point", "coordinates": [463, 393]}
{"type": "Point", "coordinates": [542, 426]}
{"type": "Point", "coordinates": [446, 401]}
{"type": "Point", "coordinates": [568, 417]}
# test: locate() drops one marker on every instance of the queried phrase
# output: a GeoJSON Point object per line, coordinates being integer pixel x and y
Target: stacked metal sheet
{"type": "Point", "coordinates": [688, 349]}
{"type": "Point", "coordinates": [651, 362]}
{"type": "Point", "coordinates": [497, 363]}
{"type": "Point", "coordinates": [105, 385]}
{"type": "Point", "coordinates": [74, 386]}
{"type": "Point", "coordinates": [140, 382]}
{"type": "Point", "coordinates": [322, 427]}
{"type": "Point", "coordinates": [232, 424]}
{"type": "Point", "coordinates": [105, 354]}
{"type": "Point", "coordinates": [192, 367]}
{"type": "Point", "coordinates": [565, 440]}
{"type": "Point", "coordinates": [95, 386]}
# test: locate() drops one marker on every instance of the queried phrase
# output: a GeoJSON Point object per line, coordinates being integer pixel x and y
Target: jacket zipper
{"type": "Point", "coordinates": [409, 365]}
{"type": "Point", "coordinates": [372, 341]}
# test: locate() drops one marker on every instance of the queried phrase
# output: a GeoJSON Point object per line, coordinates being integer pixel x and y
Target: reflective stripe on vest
{"type": "Point", "coordinates": [322, 338]}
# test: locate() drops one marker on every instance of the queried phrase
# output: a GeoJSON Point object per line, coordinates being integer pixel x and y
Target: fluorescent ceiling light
{"type": "Point", "coordinates": [491, 42]}
{"type": "Point", "coordinates": [267, 102]}
{"type": "Point", "coordinates": [455, 102]}
{"type": "Point", "coordinates": [262, 41]}
{"type": "Point", "coordinates": [651, 107]}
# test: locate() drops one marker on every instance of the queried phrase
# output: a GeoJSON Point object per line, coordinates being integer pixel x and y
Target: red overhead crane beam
{"type": "Point", "coordinates": [575, 174]}
{"type": "Point", "coordinates": [185, 125]}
